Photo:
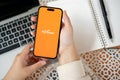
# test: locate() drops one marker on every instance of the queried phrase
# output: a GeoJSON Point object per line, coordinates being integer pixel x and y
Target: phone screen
{"type": "Point", "coordinates": [48, 31]}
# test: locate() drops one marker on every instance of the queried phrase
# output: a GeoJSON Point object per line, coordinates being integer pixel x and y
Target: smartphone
{"type": "Point", "coordinates": [48, 31]}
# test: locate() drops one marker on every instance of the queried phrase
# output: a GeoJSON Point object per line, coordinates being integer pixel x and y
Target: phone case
{"type": "Point", "coordinates": [48, 31]}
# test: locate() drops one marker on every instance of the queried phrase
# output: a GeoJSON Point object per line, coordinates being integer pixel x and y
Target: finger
{"type": "Point", "coordinates": [34, 18]}
{"type": "Point", "coordinates": [33, 26]}
{"type": "Point", "coordinates": [27, 58]}
{"type": "Point", "coordinates": [66, 18]}
{"type": "Point", "coordinates": [43, 59]}
{"type": "Point", "coordinates": [43, 4]}
{"type": "Point", "coordinates": [26, 50]}
{"type": "Point", "coordinates": [36, 66]}
{"type": "Point", "coordinates": [63, 24]}
{"type": "Point", "coordinates": [30, 54]}
{"type": "Point", "coordinates": [32, 33]}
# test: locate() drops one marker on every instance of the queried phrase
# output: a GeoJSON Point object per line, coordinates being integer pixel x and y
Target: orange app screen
{"type": "Point", "coordinates": [48, 31]}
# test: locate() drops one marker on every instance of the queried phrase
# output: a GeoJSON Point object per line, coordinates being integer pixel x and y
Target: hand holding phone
{"type": "Point", "coordinates": [48, 31]}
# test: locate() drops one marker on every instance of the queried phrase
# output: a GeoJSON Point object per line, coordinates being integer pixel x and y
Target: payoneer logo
{"type": "Point", "coordinates": [48, 32]}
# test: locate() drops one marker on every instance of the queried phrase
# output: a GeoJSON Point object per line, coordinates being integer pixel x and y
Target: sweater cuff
{"type": "Point", "coordinates": [70, 71]}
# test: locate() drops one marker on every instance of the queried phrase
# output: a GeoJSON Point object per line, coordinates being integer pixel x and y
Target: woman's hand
{"type": "Point", "coordinates": [21, 67]}
{"type": "Point", "coordinates": [67, 50]}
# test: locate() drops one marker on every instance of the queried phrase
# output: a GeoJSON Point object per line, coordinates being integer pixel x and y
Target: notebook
{"type": "Point", "coordinates": [113, 11]}
{"type": "Point", "coordinates": [88, 24]}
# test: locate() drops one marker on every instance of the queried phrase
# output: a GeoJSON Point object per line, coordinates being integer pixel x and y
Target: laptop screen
{"type": "Point", "coordinates": [9, 8]}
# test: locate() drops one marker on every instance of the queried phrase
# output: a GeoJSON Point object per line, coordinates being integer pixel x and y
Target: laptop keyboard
{"type": "Point", "coordinates": [15, 33]}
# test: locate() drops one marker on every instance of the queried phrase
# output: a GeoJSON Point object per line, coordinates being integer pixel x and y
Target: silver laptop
{"type": "Point", "coordinates": [15, 23]}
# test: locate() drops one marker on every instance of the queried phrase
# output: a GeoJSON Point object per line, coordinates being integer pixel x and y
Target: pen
{"type": "Point", "coordinates": [106, 19]}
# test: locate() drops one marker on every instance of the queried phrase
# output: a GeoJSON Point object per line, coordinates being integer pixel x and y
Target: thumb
{"type": "Point", "coordinates": [37, 65]}
{"type": "Point", "coordinates": [66, 18]}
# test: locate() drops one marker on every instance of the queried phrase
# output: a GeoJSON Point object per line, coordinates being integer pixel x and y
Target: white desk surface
{"type": "Point", "coordinates": [6, 61]}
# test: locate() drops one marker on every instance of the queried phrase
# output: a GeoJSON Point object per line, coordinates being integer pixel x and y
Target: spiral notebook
{"type": "Point", "coordinates": [88, 24]}
{"type": "Point", "coordinates": [113, 11]}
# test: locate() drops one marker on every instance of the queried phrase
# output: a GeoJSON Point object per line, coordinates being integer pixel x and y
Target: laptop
{"type": "Point", "coordinates": [15, 23]}
{"type": "Point", "coordinates": [14, 29]}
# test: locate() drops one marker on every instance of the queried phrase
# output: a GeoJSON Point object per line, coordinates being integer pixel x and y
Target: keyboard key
{"type": "Point", "coordinates": [19, 28]}
{"type": "Point", "coordinates": [31, 29]}
{"type": "Point", "coordinates": [11, 22]}
{"type": "Point", "coordinates": [22, 32]}
{"type": "Point", "coordinates": [3, 34]}
{"type": "Point", "coordinates": [0, 46]}
{"type": "Point", "coordinates": [36, 13]}
{"type": "Point", "coordinates": [4, 29]}
{"type": "Point", "coordinates": [21, 18]}
{"type": "Point", "coordinates": [21, 38]}
{"type": "Point", "coordinates": [20, 22]}
{"type": "Point", "coordinates": [8, 32]}
{"type": "Point", "coordinates": [23, 42]}
{"type": "Point", "coordinates": [33, 38]}
{"type": "Point", "coordinates": [4, 44]}
{"type": "Point", "coordinates": [29, 19]}
{"type": "Point", "coordinates": [29, 40]}
{"type": "Point", "coordinates": [6, 38]}
{"type": "Point", "coordinates": [15, 40]}
{"type": "Point", "coordinates": [25, 21]}
{"type": "Point", "coordinates": [10, 42]}
{"type": "Point", "coordinates": [9, 26]}
{"type": "Point", "coordinates": [33, 22]}
{"type": "Point", "coordinates": [13, 30]}
{"type": "Point", "coordinates": [1, 26]}
{"type": "Point", "coordinates": [14, 24]}
{"type": "Point", "coordinates": [9, 48]}
{"type": "Point", "coordinates": [27, 30]}
{"type": "Point", "coordinates": [1, 40]}
{"type": "Point", "coordinates": [0, 30]}
{"type": "Point", "coordinates": [5, 25]}
{"type": "Point", "coordinates": [29, 24]}
{"type": "Point", "coordinates": [24, 26]}
{"type": "Point", "coordinates": [11, 36]}
{"type": "Point", "coordinates": [30, 35]}
{"type": "Point", "coordinates": [16, 34]}
{"type": "Point", "coordinates": [26, 36]}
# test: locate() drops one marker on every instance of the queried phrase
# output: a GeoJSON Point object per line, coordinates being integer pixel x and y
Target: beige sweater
{"type": "Point", "coordinates": [72, 71]}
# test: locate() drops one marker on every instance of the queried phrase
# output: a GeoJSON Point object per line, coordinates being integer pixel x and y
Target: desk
{"type": "Point", "coordinates": [99, 64]}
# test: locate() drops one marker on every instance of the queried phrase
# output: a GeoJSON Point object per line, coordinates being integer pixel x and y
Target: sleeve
{"type": "Point", "coordinates": [72, 71]}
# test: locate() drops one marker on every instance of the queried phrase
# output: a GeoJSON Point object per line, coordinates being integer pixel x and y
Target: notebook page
{"type": "Point", "coordinates": [113, 11]}
{"type": "Point", "coordinates": [113, 7]}
{"type": "Point", "coordinates": [86, 34]}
